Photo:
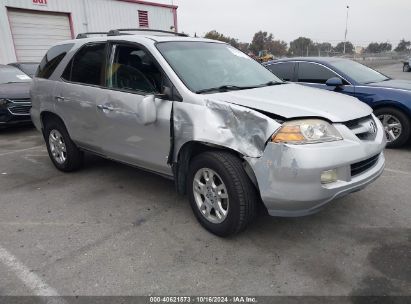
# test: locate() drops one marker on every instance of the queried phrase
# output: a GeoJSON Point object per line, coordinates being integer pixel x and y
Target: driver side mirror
{"type": "Point", "coordinates": [334, 82]}
{"type": "Point", "coordinates": [166, 94]}
{"type": "Point", "coordinates": [147, 110]}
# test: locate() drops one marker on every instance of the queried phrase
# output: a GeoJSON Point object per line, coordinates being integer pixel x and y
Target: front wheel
{"type": "Point", "coordinates": [396, 126]}
{"type": "Point", "coordinates": [221, 194]}
{"type": "Point", "coordinates": [406, 68]}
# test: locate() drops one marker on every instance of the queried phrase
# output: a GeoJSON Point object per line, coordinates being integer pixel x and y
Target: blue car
{"type": "Point", "coordinates": [389, 98]}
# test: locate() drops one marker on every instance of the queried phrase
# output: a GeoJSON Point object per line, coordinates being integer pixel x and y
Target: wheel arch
{"type": "Point", "coordinates": [393, 104]}
{"type": "Point", "coordinates": [193, 148]}
{"type": "Point", "coordinates": [48, 115]}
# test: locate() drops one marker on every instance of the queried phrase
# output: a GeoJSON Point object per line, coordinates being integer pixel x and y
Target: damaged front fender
{"type": "Point", "coordinates": [224, 124]}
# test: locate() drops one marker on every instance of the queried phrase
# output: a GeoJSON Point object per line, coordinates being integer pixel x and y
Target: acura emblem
{"type": "Point", "coordinates": [372, 127]}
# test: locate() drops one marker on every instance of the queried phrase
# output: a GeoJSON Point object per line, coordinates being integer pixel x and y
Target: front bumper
{"type": "Point", "coordinates": [289, 176]}
{"type": "Point", "coordinates": [15, 112]}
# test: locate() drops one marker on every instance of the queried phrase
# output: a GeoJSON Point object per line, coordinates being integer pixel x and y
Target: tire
{"type": "Point", "coordinates": [73, 157]}
{"type": "Point", "coordinates": [242, 198]}
{"type": "Point", "coordinates": [397, 115]}
{"type": "Point", "coordinates": [406, 68]}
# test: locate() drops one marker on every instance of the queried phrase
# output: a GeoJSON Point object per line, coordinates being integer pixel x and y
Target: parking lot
{"type": "Point", "coordinates": [110, 229]}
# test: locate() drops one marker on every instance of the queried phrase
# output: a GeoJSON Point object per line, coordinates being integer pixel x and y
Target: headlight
{"type": "Point", "coordinates": [306, 131]}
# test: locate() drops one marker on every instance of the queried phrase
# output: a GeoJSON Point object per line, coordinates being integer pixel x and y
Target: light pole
{"type": "Point", "coordinates": [346, 28]}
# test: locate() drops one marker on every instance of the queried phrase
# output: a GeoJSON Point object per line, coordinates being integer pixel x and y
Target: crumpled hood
{"type": "Point", "coordinates": [15, 90]}
{"type": "Point", "coordinates": [293, 100]}
{"type": "Point", "coordinates": [393, 84]}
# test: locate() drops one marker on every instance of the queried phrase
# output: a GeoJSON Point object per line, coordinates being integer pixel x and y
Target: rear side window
{"type": "Point", "coordinates": [285, 70]}
{"type": "Point", "coordinates": [87, 66]}
{"type": "Point", "coordinates": [52, 59]}
{"type": "Point", "coordinates": [313, 73]}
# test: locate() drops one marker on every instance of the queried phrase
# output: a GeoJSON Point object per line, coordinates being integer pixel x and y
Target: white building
{"type": "Point", "coordinates": [29, 27]}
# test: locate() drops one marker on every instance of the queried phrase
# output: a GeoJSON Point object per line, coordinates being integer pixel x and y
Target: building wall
{"type": "Point", "coordinates": [87, 16]}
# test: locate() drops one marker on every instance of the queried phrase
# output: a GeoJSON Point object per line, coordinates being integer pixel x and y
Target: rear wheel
{"type": "Point", "coordinates": [406, 68]}
{"type": "Point", "coordinates": [396, 126]}
{"type": "Point", "coordinates": [62, 151]}
{"type": "Point", "coordinates": [221, 194]}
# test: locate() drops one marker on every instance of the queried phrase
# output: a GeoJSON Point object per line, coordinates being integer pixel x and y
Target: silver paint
{"type": "Point", "coordinates": [288, 176]}
{"type": "Point", "coordinates": [224, 124]}
{"type": "Point", "coordinates": [57, 147]}
{"type": "Point", "coordinates": [210, 195]}
{"type": "Point", "coordinates": [108, 122]}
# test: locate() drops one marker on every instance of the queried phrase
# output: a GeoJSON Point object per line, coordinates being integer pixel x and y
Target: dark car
{"type": "Point", "coordinates": [15, 101]}
{"type": "Point", "coordinates": [389, 98]}
{"type": "Point", "coordinates": [29, 68]}
{"type": "Point", "coordinates": [406, 65]}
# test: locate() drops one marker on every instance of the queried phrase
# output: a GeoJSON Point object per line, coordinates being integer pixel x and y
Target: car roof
{"type": "Point", "coordinates": [139, 38]}
{"type": "Point", "coordinates": [311, 59]}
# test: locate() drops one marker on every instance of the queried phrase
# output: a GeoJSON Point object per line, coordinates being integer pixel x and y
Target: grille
{"type": "Point", "coordinates": [21, 100]}
{"type": "Point", "coordinates": [364, 128]}
{"type": "Point", "coordinates": [363, 165]}
{"type": "Point", "coordinates": [20, 110]}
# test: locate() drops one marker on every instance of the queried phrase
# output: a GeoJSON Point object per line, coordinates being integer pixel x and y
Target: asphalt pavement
{"type": "Point", "coordinates": [110, 229]}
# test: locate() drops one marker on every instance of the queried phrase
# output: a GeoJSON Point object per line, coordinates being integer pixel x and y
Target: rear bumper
{"type": "Point", "coordinates": [289, 176]}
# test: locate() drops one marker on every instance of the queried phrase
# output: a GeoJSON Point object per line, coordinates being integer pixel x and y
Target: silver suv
{"type": "Point", "coordinates": [231, 134]}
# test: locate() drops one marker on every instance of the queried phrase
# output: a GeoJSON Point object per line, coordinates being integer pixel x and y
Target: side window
{"type": "Point", "coordinates": [52, 59]}
{"type": "Point", "coordinates": [87, 66]}
{"type": "Point", "coordinates": [284, 70]}
{"type": "Point", "coordinates": [132, 69]}
{"type": "Point", "coordinates": [313, 73]}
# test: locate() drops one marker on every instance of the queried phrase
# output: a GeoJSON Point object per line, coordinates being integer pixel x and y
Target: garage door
{"type": "Point", "coordinates": [34, 32]}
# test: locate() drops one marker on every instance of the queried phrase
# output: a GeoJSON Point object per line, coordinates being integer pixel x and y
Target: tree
{"type": "Point", "coordinates": [349, 48]}
{"type": "Point", "coordinates": [403, 46]}
{"type": "Point", "coordinates": [375, 47]}
{"type": "Point", "coordinates": [385, 47]}
{"type": "Point", "coordinates": [265, 41]}
{"type": "Point", "coordinates": [277, 47]}
{"type": "Point", "coordinates": [220, 37]}
{"type": "Point", "coordinates": [260, 41]}
{"type": "Point", "coordinates": [243, 46]}
{"type": "Point", "coordinates": [323, 49]}
{"type": "Point", "coordinates": [302, 46]}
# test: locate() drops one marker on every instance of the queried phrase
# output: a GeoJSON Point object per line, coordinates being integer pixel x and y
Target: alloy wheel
{"type": "Point", "coordinates": [392, 126]}
{"type": "Point", "coordinates": [211, 196]}
{"type": "Point", "coordinates": [57, 146]}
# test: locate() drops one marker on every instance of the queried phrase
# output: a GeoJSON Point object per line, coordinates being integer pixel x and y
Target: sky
{"type": "Point", "coordinates": [320, 20]}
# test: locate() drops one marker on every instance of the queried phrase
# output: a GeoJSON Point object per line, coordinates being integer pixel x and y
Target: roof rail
{"type": "Point", "coordinates": [118, 32]}
{"type": "Point", "coordinates": [86, 35]}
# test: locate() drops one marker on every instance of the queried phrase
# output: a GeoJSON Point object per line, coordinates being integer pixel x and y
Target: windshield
{"type": "Point", "coordinates": [360, 73]}
{"type": "Point", "coordinates": [29, 68]}
{"type": "Point", "coordinates": [12, 75]}
{"type": "Point", "coordinates": [203, 66]}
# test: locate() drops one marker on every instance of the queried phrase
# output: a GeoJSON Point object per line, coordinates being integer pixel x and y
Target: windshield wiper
{"type": "Point", "coordinates": [270, 83]}
{"type": "Point", "coordinates": [224, 88]}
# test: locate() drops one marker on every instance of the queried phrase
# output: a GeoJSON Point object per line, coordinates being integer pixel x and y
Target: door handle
{"type": "Point", "coordinates": [103, 107]}
{"type": "Point", "coordinates": [59, 98]}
